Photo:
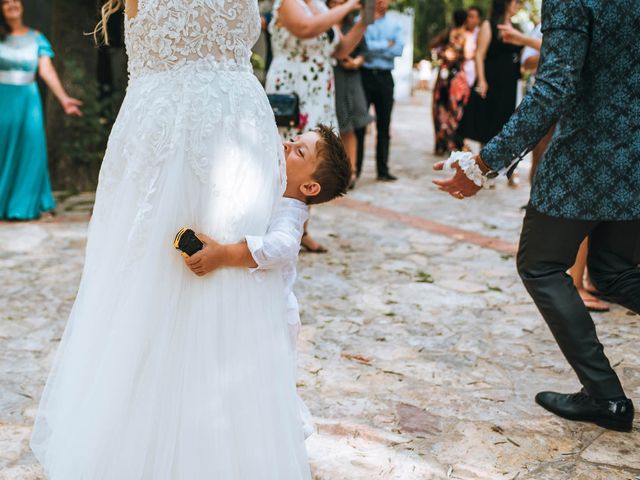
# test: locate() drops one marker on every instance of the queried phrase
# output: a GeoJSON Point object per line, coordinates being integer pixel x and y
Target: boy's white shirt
{"type": "Point", "coordinates": [280, 246]}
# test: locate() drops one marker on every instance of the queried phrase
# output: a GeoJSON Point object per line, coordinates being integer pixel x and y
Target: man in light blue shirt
{"type": "Point", "coordinates": [385, 42]}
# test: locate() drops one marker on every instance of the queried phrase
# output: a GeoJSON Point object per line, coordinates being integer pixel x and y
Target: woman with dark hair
{"type": "Point", "coordinates": [25, 190]}
{"type": "Point", "coordinates": [451, 92]}
{"type": "Point", "coordinates": [351, 103]}
{"type": "Point", "coordinates": [498, 71]}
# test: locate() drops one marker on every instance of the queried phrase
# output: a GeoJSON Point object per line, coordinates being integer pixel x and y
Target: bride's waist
{"type": "Point", "coordinates": [180, 68]}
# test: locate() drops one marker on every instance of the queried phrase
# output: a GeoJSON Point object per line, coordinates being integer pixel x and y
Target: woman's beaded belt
{"type": "Point", "coordinates": [17, 77]}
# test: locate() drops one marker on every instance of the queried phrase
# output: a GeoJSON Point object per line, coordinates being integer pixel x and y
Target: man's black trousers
{"type": "Point", "coordinates": [378, 89]}
{"type": "Point", "coordinates": [548, 248]}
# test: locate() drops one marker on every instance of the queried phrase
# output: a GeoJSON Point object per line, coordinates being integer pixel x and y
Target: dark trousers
{"type": "Point", "coordinates": [378, 89]}
{"type": "Point", "coordinates": [548, 248]}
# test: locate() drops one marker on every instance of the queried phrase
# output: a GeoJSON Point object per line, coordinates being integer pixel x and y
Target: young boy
{"type": "Point", "coordinates": [318, 170]}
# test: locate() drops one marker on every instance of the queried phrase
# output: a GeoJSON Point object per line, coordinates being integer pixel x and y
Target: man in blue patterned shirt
{"type": "Point", "coordinates": [588, 184]}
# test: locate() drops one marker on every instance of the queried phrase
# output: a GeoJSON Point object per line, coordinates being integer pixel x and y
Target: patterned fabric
{"type": "Point", "coordinates": [450, 95]}
{"type": "Point", "coordinates": [304, 66]}
{"type": "Point", "coordinates": [588, 81]}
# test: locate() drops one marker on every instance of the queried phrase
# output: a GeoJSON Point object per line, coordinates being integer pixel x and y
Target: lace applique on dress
{"type": "Point", "coordinates": [192, 100]}
{"type": "Point", "coordinates": [167, 34]}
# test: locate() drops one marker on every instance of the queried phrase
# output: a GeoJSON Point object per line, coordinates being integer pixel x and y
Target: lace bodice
{"type": "Point", "coordinates": [167, 34]}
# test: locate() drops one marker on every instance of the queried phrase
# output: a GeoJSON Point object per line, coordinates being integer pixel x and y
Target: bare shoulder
{"type": "Point", "coordinates": [131, 8]}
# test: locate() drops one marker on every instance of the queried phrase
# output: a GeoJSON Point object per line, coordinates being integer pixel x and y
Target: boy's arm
{"type": "Point", "coordinates": [272, 250]}
{"type": "Point", "coordinates": [215, 255]}
{"type": "Point", "coordinates": [275, 249]}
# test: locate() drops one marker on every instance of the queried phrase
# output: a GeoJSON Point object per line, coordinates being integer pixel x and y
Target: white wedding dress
{"type": "Point", "coordinates": [162, 375]}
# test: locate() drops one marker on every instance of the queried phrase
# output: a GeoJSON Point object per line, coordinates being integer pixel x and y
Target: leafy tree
{"type": "Point", "coordinates": [433, 16]}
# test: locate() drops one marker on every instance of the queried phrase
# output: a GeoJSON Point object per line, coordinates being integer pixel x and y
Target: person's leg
{"type": "Point", "coordinates": [614, 256]}
{"type": "Point", "coordinates": [577, 271]}
{"type": "Point", "coordinates": [369, 89]}
{"type": "Point", "coordinates": [577, 274]}
{"type": "Point", "coordinates": [548, 247]}
{"type": "Point", "coordinates": [350, 143]}
{"type": "Point", "coordinates": [360, 137]}
{"type": "Point", "coordinates": [383, 102]}
{"type": "Point", "coordinates": [309, 244]}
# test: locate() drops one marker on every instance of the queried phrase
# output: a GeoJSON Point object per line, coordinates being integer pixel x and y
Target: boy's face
{"type": "Point", "coordinates": [302, 161]}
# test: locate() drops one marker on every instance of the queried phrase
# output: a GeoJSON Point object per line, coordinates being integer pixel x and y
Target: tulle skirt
{"type": "Point", "coordinates": [161, 374]}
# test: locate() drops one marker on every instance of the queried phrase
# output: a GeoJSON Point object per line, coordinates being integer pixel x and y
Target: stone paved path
{"type": "Point", "coordinates": [420, 351]}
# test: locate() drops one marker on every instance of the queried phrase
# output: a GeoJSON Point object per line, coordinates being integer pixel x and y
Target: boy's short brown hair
{"type": "Point", "coordinates": [333, 172]}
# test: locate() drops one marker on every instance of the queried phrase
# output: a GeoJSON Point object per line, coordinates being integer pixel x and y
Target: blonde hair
{"type": "Point", "coordinates": [108, 9]}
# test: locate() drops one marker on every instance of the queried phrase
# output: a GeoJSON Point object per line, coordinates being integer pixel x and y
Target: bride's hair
{"type": "Point", "coordinates": [109, 8]}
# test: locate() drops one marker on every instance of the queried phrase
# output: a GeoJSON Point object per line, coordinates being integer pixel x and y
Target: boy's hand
{"type": "Point", "coordinates": [210, 258]}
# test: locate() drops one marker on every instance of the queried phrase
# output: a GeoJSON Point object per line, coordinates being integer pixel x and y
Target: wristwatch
{"type": "Point", "coordinates": [489, 174]}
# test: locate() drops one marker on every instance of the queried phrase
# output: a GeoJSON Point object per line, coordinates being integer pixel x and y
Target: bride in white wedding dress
{"type": "Point", "coordinates": [162, 375]}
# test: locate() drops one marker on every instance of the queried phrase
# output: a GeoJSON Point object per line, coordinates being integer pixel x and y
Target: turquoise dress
{"type": "Point", "coordinates": [25, 189]}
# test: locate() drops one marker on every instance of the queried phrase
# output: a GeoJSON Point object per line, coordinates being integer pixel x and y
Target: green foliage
{"type": "Point", "coordinates": [433, 16]}
{"type": "Point", "coordinates": [83, 142]}
{"type": "Point", "coordinates": [257, 62]}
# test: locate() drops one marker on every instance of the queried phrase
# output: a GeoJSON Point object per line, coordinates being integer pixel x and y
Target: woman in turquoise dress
{"type": "Point", "coordinates": [25, 190]}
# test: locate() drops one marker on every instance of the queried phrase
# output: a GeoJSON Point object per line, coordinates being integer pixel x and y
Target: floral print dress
{"type": "Point", "coordinates": [450, 96]}
{"type": "Point", "coordinates": [304, 67]}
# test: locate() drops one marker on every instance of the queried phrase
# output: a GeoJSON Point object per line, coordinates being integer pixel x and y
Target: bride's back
{"type": "Point", "coordinates": [167, 34]}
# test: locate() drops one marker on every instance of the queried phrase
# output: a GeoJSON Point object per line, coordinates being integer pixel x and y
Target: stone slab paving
{"type": "Point", "coordinates": [420, 351]}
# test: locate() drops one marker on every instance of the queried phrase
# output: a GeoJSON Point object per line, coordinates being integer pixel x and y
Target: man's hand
{"type": "Point", "coordinates": [458, 186]}
{"type": "Point", "coordinates": [210, 258]}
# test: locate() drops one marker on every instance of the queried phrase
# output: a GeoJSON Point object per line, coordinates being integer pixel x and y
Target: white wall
{"type": "Point", "coordinates": [403, 72]}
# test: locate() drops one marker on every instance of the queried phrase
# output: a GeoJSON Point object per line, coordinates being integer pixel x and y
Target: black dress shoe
{"type": "Point", "coordinates": [387, 178]}
{"type": "Point", "coordinates": [612, 414]}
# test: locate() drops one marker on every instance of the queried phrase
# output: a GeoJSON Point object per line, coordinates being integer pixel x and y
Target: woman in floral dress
{"type": "Point", "coordinates": [451, 92]}
{"type": "Point", "coordinates": [304, 41]}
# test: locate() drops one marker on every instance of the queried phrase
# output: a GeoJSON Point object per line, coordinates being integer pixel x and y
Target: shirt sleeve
{"type": "Point", "coordinates": [398, 38]}
{"type": "Point", "coordinates": [376, 45]}
{"type": "Point", "coordinates": [566, 26]}
{"type": "Point", "coordinates": [381, 46]}
{"type": "Point", "coordinates": [44, 47]}
{"type": "Point", "coordinates": [280, 245]}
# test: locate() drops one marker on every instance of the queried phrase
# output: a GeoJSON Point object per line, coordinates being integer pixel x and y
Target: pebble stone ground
{"type": "Point", "coordinates": [420, 349]}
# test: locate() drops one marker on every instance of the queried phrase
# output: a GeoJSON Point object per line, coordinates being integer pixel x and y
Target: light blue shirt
{"type": "Point", "coordinates": [378, 35]}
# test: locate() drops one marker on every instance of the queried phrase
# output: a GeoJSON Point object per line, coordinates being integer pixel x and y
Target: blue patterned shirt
{"type": "Point", "coordinates": [588, 84]}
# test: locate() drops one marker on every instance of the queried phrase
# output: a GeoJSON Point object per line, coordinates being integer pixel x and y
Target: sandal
{"type": "Point", "coordinates": [310, 245]}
